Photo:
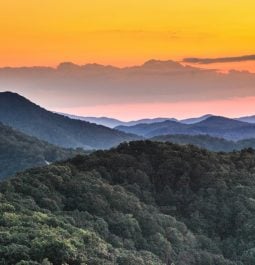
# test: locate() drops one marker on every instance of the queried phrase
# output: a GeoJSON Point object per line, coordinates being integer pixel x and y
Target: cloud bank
{"type": "Point", "coordinates": [220, 60]}
{"type": "Point", "coordinates": [97, 87]}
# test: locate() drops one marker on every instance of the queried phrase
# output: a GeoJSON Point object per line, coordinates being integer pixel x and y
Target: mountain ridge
{"type": "Point", "coordinates": [215, 126]}
{"type": "Point", "coordinates": [18, 112]}
{"type": "Point", "coordinates": [112, 122]}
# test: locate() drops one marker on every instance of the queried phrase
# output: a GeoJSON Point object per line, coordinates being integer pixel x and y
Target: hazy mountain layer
{"type": "Point", "coordinates": [112, 123]}
{"type": "Point", "coordinates": [215, 126]}
{"type": "Point", "coordinates": [250, 119]}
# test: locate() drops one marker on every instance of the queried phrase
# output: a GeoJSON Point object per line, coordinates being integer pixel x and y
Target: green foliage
{"type": "Point", "coordinates": [143, 203]}
{"type": "Point", "coordinates": [19, 152]}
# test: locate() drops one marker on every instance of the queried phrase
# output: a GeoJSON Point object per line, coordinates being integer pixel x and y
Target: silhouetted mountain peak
{"type": "Point", "coordinates": [16, 103]}
{"type": "Point", "coordinates": [9, 94]}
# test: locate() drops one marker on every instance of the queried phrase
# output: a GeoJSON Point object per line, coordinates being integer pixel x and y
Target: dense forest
{"type": "Point", "coordinates": [19, 152]}
{"type": "Point", "coordinates": [207, 142]}
{"type": "Point", "coordinates": [140, 203]}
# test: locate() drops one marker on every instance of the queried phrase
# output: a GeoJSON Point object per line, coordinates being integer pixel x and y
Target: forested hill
{"type": "Point", "coordinates": [208, 142]}
{"type": "Point", "coordinates": [142, 203]}
{"type": "Point", "coordinates": [23, 115]}
{"type": "Point", "coordinates": [19, 152]}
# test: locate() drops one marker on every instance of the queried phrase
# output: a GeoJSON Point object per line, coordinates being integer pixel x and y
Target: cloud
{"type": "Point", "coordinates": [220, 60]}
{"type": "Point", "coordinates": [71, 86]}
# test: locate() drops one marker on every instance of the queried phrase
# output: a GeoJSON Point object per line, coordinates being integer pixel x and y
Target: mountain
{"type": "Point", "coordinates": [225, 128]}
{"type": "Point", "coordinates": [215, 126]}
{"type": "Point", "coordinates": [210, 143]}
{"type": "Point", "coordinates": [195, 120]}
{"type": "Point", "coordinates": [249, 119]}
{"type": "Point", "coordinates": [148, 121]}
{"type": "Point", "coordinates": [112, 123]}
{"type": "Point", "coordinates": [19, 152]}
{"type": "Point", "coordinates": [142, 203]}
{"type": "Point", "coordinates": [150, 130]}
{"type": "Point", "coordinates": [104, 121]}
{"type": "Point", "coordinates": [23, 115]}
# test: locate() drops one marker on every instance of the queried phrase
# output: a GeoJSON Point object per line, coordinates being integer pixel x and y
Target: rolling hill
{"type": "Point", "coordinates": [142, 203]}
{"type": "Point", "coordinates": [29, 118]}
{"type": "Point", "coordinates": [19, 152]}
{"type": "Point", "coordinates": [215, 126]}
{"type": "Point", "coordinates": [210, 143]}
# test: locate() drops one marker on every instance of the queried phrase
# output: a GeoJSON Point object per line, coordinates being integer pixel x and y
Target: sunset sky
{"type": "Point", "coordinates": [125, 33]}
{"type": "Point", "coordinates": [34, 32]}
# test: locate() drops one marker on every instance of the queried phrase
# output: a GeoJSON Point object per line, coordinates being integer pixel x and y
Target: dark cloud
{"type": "Point", "coordinates": [220, 60]}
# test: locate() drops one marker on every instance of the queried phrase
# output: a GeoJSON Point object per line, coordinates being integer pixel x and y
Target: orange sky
{"type": "Point", "coordinates": [124, 33]}
{"type": "Point", "coordinates": [34, 32]}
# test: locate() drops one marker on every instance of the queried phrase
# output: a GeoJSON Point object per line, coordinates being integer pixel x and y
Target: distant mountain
{"type": "Point", "coordinates": [195, 120]}
{"type": "Point", "coordinates": [153, 129]}
{"type": "Point", "coordinates": [108, 122]}
{"type": "Point", "coordinates": [148, 121]}
{"type": "Point", "coordinates": [214, 126]}
{"type": "Point", "coordinates": [19, 113]}
{"type": "Point", "coordinates": [112, 123]}
{"type": "Point", "coordinates": [19, 152]}
{"type": "Point", "coordinates": [249, 119]}
{"type": "Point", "coordinates": [210, 143]}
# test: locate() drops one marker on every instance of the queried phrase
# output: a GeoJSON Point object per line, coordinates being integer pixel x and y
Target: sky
{"type": "Point", "coordinates": [35, 32]}
{"type": "Point", "coordinates": [127, 33]}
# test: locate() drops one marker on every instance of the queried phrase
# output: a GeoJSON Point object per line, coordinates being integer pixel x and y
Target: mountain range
{"type": "Point", "coordinates": [112, 123]}
{"type": "Point", "coordinates": [216, 126]}
{"type": "Point", "coordinates": [74, 131]}
{"type": "Point", "coordinates": [29, 118]}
